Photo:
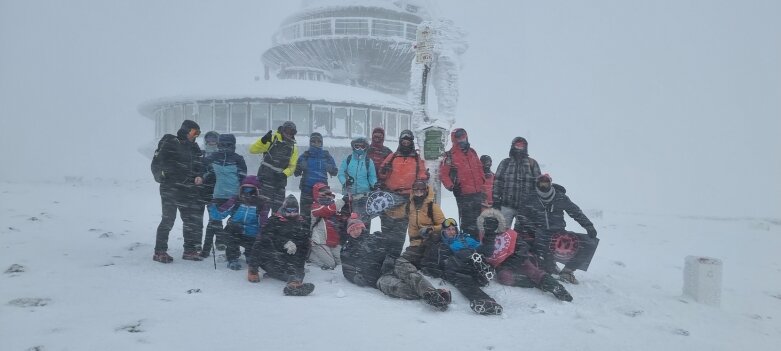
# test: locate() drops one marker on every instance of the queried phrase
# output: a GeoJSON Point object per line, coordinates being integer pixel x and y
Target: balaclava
{"type": "Point", "coordinates": [460, 138]}
{"type": "Point", "coordinates": [406, 135]}
{"type": "Point", "coordinates": [487, 163]}
{"type": "Point", "coordinates": [378, 141]}
{"type": "Point", "coordinates": [210, 143]}
{"type": "Point", "coordinates": [519, 148]}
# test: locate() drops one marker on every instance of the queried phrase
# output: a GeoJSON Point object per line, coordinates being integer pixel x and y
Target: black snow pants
{"type": "Point", "coordinates": [186, 199]}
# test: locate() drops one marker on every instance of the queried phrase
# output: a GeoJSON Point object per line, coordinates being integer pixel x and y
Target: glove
{"type": "Point", "coordinates": [592, 232]}
{"type": "Point", "coordinates": [350, 181]}
{"type": "Point", "coordinates": [290, 247]}
{"type": "Point", "coordinates": [425, 232]}
{"type": "Point", "coordinates": [266, 138]}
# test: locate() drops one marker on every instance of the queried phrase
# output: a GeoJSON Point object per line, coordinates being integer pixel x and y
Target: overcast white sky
{"type": "Point", "coordinates": [667, 107]}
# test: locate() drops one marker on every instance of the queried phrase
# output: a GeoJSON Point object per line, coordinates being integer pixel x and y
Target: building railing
{"type": "Point", "coordinates": [345, 26]}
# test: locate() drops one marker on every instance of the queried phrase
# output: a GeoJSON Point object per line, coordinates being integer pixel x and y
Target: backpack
{"type": "Point", "coordinates": [350, 157]}
{"type": "Point", "coordinates": [157, 162]}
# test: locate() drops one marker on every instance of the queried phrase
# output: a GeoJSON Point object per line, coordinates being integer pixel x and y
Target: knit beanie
{"type": "Point", "coordinates": [355, 226]}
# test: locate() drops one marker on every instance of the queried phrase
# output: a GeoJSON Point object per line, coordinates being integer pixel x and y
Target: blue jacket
{"type": "Point", "coordinates": [246, 211]}
{"type": "Point", "coordinates": [314, 166]}
{"type": "Point", "coordinates": [225, 168]}
{"type": "Point", "coordinates": [364, 176]}
{"type": "Point", "coordinates": [461, 241]}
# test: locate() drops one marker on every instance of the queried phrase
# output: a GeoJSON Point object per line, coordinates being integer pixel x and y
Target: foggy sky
{"type": "Point", "coordinates": [663, 107]}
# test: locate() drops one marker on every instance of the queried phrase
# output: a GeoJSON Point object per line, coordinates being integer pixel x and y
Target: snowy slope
{"type": "Point", "coordinates": [87, 282]}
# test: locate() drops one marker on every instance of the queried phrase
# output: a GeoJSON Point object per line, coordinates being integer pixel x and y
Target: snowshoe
{"type": "Point", "coordinates": [234, 265]}
{"type": "Point", "coordinates": [298, 289]}
{"type": "Point", "coordinates": [550, 285]}
{"type": "Point", "coordinates": [439, 298]}
{"type": "Point", "coordinates": [253, 276]}
{"type": "Point", "coordinates": [486, 307]}
{"type": "Point", "coordinates": [192, 256]}
{"type": "Point", "coordinates": [568, 276]}
{"type": "Point", "coordinates": [162, 257]}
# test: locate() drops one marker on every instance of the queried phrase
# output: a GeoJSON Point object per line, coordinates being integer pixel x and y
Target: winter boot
{"type": "Point", "coordinates": [568, 276]}
{"type": "Point", "coordinates": [162, 257]}
{"type": "Point", "coordinates": [253, 276]}
{"type": "Point", "coordinates": [550, 285]}
{"type": "Point", "coordinates": [437, 298]}
{"type": "Point", "coordinates": [298, 289]}
{"type": "Point", "coordinates": [192, 256]}
{"type": "Point", "coordinates": [486, 307]}
{"type": "Point", "coordinates": [234, 265]}
{"type": "Point", "coordinates": [206, 251]}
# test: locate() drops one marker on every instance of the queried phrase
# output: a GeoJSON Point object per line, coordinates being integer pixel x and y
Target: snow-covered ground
{"type": "Point", "coordinates": [78, 275]}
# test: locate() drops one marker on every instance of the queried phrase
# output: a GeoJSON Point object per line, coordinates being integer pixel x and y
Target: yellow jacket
{"type": "Point", "coordinates": [259, 147]}
{"type": "Point", "coordinates": [419, 218]}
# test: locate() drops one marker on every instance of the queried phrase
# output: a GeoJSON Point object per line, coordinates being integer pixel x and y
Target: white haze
{"type": "Point", "coordinates": [663, 107]}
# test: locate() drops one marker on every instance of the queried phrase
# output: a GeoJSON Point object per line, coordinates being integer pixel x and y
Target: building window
{"type": "Point", "coordinates": [205, 114]}
{"type": "Point", "coordinates": [221, 117]}
{"type": "Point", "coordinates": [391, 128]}
{"type": "Point", "coordinates": [376, 120]}
{"type": "Point", "coordinates": [279, 114]}
{"type": "Point", "coordinates": [239, 117]}
{"type": "Point", "coordinates": [299, 114]}
{"type": "Point", "coordinates": [317, 28]}
{"type": "Point", "coordinates": [351, 26]}
{"type": "Point", "coordinates": [322, 119]}
{"type": "Point", "coordinates": [412, 32]}
{"type": "Point", "coordinates": [404, 121]}
{"type": "Point", "coordinates": [340, 122]}
{"type": "Point", "coordinates": [189, 113]}
{"type": "Point", "coordinates": [259, 118]}
{"type": "Point", "coordinates": [384, 28]}
{"type": "Point", "coordinates": [170, 125]}
{"type": "Point", "coordinates": [291, 32]}
{"type": "Point", "coordinates": [159, 123]}
{"type": "Point", "coordinates": [359, 123]}
{"type": "Point", "coordinates": [179, 115]}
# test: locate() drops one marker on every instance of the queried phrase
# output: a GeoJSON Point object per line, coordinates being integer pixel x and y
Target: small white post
{"type": "Point", "coordinates": [702, 279]}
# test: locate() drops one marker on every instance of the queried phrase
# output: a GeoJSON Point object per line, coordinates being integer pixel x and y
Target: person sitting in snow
{"type": "Point", "coordinates": [326, 224]}
{"type": "Point", "coordinates": [455, 258]}
{"type": "Point", "coordinates": [365, 262]}
{"type": "Point", "coordinates": [225, 170]}
{"type": "Point", "coordinates": [425, 217]}
{"type": "Point", "coordinates": [282, 250]}
{"type": "Point", "coordinates": [247, 217]}
{"type": "Point", "coordinates": [520, 268]}
{"type": "Point", "coordinates": [545, 211]}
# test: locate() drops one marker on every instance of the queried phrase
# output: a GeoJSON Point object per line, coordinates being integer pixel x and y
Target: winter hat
{"type": "Point", "coordinates": [315, 137]}
{"type": "Point", "coordinates": [359, 141]}
{"type": "Point", "coordinates": [460, 138]}
{"type": "Point", "coordinates": [545, 188]}
{"type": "Point", "coordinates": [211, 137]}
{"type": "Point", "coordinates": [406, 134]}
{"type": "Point", "coordinates": [355, 226]}
{"type": "Point", "coordinates": [227, 141]}
{"type": "Point", "coordinates": [289, 203]}
{"type": "Point", "coordinates": [486, 160]}
{"type": "Point", "coordinates": [290, 128]}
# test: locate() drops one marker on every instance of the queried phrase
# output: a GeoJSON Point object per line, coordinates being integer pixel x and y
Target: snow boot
{"type": "Point", "coordinates": [437, 298]}
{"type": "Point", "coordinates": [234, 265]}
{"type": "Point", "coordinates": [162, 257]}
{"type": "Point", "coordinates": [253, 276]}
{"type": "Point", "coordinates": [550, 285]}
{"type": "Point", "coordinates": [298, 289]}
{"type": "Point", "coordinates": [486, 307]}
{"type": "Point", "coordinates": [192, 256]}
{"type": "Point", "coordinates": [567, 275]}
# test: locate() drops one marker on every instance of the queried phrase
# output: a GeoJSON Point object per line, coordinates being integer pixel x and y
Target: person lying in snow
{"type": "Point", "coordinates": [282, 250]}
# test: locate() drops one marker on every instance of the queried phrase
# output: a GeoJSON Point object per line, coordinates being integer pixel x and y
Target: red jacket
{"type": "Point", "coordinates": [324, 215]}
{"type": "Point", "coordinates": [462, 172]}
{"type": "Point", "coordinates": [399, 172]}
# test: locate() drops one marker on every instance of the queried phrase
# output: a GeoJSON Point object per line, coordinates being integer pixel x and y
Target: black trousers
{"type": "Point", "coordinates": [395, 232]}
{"type": "Point", "coordinates": [272, 187]}
{"type": "Point", "coordinates": [186, 200]}
{"type": "Point", "coordinates": [469, 208]}
{"type": "Point", "coordinates": [237, 240]}
{"type": "Point", "coordinates": [214, 229]}
{"type": "Point", "coordinates": [306, 201]}
{"type": "Point", "coordinates": [461, 273]}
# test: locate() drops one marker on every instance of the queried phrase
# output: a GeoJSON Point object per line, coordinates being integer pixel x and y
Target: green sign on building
{"type": "Point", "coordinates": [433, 147]}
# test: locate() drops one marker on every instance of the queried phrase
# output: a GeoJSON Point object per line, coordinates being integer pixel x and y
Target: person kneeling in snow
{"type": "Point", "coordinates": [365, 262]}
{"type": "Point", "coordinates": [282, 250]}
{"type": "Point", "coordinates": [245, 222]}
{"type": "Point", "coordinates": [326, 222]}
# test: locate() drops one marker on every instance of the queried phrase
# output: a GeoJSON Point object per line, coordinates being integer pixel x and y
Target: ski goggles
{"type": "Point", "coordinates": [249, 190]}
{"type": "Point", "coordinates": [519, 145]}
{"type": "Point", "coordinates": [359, 146]}
{"type": "Point", "coordinates": [450, 222]}
{"type": "Point", "coordinates": [290, 210]}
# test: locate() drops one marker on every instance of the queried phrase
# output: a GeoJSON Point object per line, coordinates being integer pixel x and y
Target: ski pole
{"type": "Point", "coordinates": [214, 257]}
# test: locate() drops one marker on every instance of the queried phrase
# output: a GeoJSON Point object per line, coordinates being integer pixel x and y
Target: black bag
{"type": "Point", "coordinates": [157, 162]}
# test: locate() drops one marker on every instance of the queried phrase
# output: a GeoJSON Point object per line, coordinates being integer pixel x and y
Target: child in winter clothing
{"type": "Point", "coordinates": [282, 249]}
{"type": "Point", "coordinates": [225, 169]}
{"type": "Point", "coordinates": [246, 220]}
{"type": "Point", "coordinates": [313, 166]}
{"type": "Point", "coordinates": [325, 224]}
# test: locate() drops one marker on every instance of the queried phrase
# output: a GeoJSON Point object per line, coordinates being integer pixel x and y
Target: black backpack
{"type": "Point", "coordinates": [157, 162]}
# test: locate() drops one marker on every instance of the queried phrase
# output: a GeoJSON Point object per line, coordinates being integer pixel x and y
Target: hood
{"type": "Point", "coordinates": [559, 189]}
{"type": "Point", "coordinates": [379, 142]}
{"type": "Point", "coordinates": [226, 142]}
{"type": "Point", "coordinates": [493, 213]}
{"type": "Point", "coordinates": [290, 201]}
{"type": "Point", "coordinates": [453, 135]}
{"type": "Point", "coordinates": [251, 180]}
{"type": "Point", "coordinates": [316, 189]}
{"type": "Point", "coordinates": [525, 151]}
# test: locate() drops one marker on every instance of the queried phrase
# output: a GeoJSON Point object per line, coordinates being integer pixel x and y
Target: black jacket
{"type": "Point", "coordinates": [181, 161]}
{"type": "Point", "coordinates": [536, 214]}
{"type": "Point", "coordinates": [362, 258]}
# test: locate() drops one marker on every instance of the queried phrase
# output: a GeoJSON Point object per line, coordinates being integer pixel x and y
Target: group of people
{"type": "Point", "coordinates": [279, 234]}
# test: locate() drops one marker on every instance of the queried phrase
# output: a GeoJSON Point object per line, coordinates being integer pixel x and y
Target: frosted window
{"type": "Point", "coordinates": [205, 114]}
{"type": "Point", "coordinates": [383, 28]}
{"type": "Point", "coordinates": [351, 26]}
{"type": "Point", "coordinates": [179, 115]}
{"type": "Point", "coordinates": [317, 28]}
{"type": "Point", "coordinates": [340, 122]}
{"type": "Point", "coordinates": [376, 120]}
{"type": "Point", "coordinates": [359, 123]}
{"type": "Point", "coordinates": [391, 129]}
{"type": "Point", "coordinates": [322, 120]}
{"type": "Point", "coordinates": [239, 117]}
{"type": "Point", "coordinates": [170, 121]}
{"type": "Point", "coordinates": [260, 118]}
{"type": "Point", "coordinates": [404, 122]}
{"type": "Point", "coordinates": [188, 112]}
{"type": "Point", "coordinates": [279, 115]}
{"type": "Point", "coordinates": [299, 114]}
{"type": "Point", "coordinates": [412, 32]}
{"type": "Point", "coordinates": [221, 117]}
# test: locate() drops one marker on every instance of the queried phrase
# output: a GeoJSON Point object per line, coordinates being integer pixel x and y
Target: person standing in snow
{"type": "Point", "coordinates": [326, 223]}
{"type": "Point", "coordinates": [358, 176]}
{"type": "Point", "coordinates": [282, 250]}
{"type": "Point", "coordinates": [280, 155]}
{"type": "Point", "coordinates": [488, 186]}
{"type": "Point", "coordinates": [462, 173]}
{"type": "Point", "coordinates": [225, 170]}
{"type": "Point", "coordinates": [545, 211]}
{"type": "Point", "coordinates": [377, 152]}
{"type": "Point", "coordinates": [180, 175]}
{"type": "Point", "coordinates": [210, 140]}
{"type": "Point", "coordinates": [398, 172]}
{"type": "Point", "coordinates": [514, 180]}
{"type": "Point", "coordinates": [313, 166]}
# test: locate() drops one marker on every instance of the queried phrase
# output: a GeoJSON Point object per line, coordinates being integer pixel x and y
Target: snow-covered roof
{"type": "Point", "coordinates": [289, 89]}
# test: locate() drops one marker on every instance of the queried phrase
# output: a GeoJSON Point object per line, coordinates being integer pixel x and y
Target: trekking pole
{"type": "Point", "coordinates": [214, 257]}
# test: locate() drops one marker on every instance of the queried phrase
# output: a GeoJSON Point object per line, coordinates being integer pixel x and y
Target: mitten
{"type": "Point", "coordinates": [290, 247]}
{"type": "Point", "coordinates": [592, 232]}
{"type": "Point", "coordinates": [266, 138]}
